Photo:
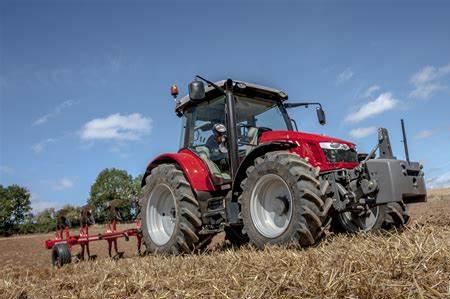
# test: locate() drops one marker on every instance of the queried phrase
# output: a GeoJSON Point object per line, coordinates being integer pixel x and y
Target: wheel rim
{"type": "Point", "coordinates": [363, 222]}
{"type": "Point", "coordinates": [161, 214]}
{"type": "Point", "coordinates": [271, 205]}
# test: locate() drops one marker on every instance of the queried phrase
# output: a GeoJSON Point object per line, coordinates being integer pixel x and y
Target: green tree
{"type": "Point", "coordinates": [28, 226]}
{"type": "Point", "coordinates": [72, 213]}
{"type": "Point", "coordinates": [137, 181]}
{"type": "Point", "coordinates": [14, 208]}
{"type": "Point", "coordinates": [46, 221]}
{"type": "Point", "coordinates": [112, 183]}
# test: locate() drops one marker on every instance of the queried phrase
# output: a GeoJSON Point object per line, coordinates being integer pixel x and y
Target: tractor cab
{"type": "Point", "coordinates": [205, 129]}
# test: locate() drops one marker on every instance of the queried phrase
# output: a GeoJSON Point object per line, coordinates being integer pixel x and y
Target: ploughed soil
{"type": "Point", "coordinates": [414, 263]}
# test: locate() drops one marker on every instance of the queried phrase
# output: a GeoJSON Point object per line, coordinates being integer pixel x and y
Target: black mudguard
{"type": "Point", "coordinates": [397, 180]}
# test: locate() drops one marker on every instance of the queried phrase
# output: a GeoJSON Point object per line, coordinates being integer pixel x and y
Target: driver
{"type": "Point", "coordinates": [216, 142]}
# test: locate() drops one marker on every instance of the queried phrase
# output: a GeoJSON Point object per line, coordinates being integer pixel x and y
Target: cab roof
{"type": "Point", "coordinates": [240, 88]}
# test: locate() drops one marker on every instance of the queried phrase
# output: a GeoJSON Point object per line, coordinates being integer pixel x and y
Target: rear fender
{"type": "Point", "coordinates": [193, 167]}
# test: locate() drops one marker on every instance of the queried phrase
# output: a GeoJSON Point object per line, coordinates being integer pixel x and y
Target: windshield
{"type": "Point", "coordinates": [199, 121]}
{"type": "Point", "coordinates": [260, 114]}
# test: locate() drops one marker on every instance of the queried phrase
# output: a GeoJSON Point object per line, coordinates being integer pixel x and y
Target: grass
{"type": "Point", "coordinates": [414, 263]}
{"type": "Point", "coordinates": [439, 194]}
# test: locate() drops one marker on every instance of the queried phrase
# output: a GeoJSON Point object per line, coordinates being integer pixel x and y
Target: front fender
{"type": "Point", "coordinates": [193, 167]}
{"type": "Point", "coordinates": [258, 151]}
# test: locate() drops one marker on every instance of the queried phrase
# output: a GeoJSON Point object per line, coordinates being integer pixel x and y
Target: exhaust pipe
{"type": "Point", "coordinates": [405, 142]}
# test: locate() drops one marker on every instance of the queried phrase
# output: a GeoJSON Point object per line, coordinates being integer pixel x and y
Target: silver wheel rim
{"type": "Point", "coordinates": [364, 223]}
{"type": "Point", "coordinates": [161, 214]}
{"type": "Point", "coordinates": [271, 205]}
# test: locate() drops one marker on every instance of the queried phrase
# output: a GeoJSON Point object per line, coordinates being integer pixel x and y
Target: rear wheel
{"type": "Point", "coordinates": [281, 202]}
{"type": "Point", "coordinates": [170, 213]}
{"type": "Point", "coordinates": [61, 255]}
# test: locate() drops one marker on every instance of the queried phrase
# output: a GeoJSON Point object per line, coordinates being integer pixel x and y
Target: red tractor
{"type": "Point", "coordinates": [245, 169]}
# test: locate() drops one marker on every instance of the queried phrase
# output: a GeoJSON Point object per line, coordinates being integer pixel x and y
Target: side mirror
{"type": "Point", "coordinates": [196, 90]}
{"type": "Point", "coordinates": [321, 116]}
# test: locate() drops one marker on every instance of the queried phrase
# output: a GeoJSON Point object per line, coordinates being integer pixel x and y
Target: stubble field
{"type": "Point", "coordinates": [414, 263]}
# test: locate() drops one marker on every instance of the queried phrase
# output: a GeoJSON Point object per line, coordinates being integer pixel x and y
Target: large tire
{"type": "Point", "coordinates": [61, 255]}
{"type": "Point", "coordinates": [396, 215]}
{"type": "Point", "coordinates": [281, 184]}
{"type": "Point", "coordinates": [170, 215]}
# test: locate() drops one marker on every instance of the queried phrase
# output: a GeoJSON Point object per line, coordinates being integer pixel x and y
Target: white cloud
{"type": "Point", "coordinates": [363, 132]}
{"type": "Point", "coordinates": [115, 62]}
{"type": "Point", "coordinates": [117, 127]}
{"type": "Point", "coordinates": [368, 93]}
{"type": "Point", "coordinates": [425, 134]}
{"type": "Point", "coordinates": [41, 120]}
{"type": "Point", "coordinates": [346, 75]}
{"type": "Point", "coordinates": [38, 206]}
{"type": "Point", "coordinates": [58, 109]}
{"type": "Point", "coordinates": [40, 146]}
{"type": "Point", "coordinates": [383, 103]}
{"type": "Point", "coordinates": [64, 183]}
{"type": "Point", "coordinates": [427, 81]}
{"type": "Point", "coordinates": [426, 90]}
{"type": "Point", "coordinates": [440, 181]}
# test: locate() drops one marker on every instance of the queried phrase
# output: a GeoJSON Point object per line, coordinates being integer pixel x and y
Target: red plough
{"type": "Point", "coordinates": [63, 242]}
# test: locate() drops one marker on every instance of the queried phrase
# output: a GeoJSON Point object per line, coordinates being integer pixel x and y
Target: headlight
{"type": "Point", "coordinates": [338, 152]}
{"type": "Point", "coordinates": [334, 146]}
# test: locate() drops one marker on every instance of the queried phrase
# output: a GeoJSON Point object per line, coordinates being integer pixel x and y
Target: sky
{"type": "Point", "coordinates": [84, 85]}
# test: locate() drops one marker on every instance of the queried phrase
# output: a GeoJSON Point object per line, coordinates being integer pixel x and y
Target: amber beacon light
{"type": "Point", "coordinates": [174, 91]}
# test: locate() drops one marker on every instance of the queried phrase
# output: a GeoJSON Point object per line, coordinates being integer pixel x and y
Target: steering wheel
{"type": "Point", "coordinates": [260, 131]}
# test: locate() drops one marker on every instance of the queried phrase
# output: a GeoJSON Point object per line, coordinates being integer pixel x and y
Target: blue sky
{"type": "Point", "coordinates": [85, 85]}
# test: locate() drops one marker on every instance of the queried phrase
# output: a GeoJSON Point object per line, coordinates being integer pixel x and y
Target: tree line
{"type": "Point", "coordinates": [17, 217]}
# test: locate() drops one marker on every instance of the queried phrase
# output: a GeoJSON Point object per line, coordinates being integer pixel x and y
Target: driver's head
{"type": "Point", "coordinates": [219, 133]}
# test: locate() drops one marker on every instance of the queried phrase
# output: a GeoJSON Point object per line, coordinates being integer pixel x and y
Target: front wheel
{"type": "Point", "coordinates": [282, 202]}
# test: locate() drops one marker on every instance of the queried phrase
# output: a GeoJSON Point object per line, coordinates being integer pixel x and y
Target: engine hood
{"type": "Point", "coordinates": [301, 136]}
{"type": "Point", "coordinates": [308, 147]}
